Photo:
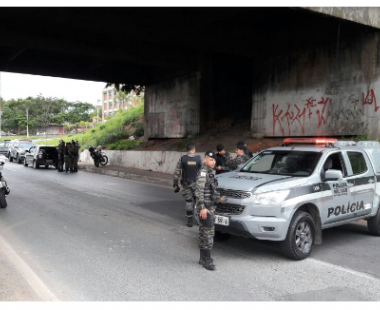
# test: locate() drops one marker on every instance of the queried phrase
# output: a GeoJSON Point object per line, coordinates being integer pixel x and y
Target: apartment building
{"type": "Point", "coordinates": [112, 102]}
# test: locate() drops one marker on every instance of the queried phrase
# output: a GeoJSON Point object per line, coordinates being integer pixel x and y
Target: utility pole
{"type": "Point", "coordinates": [27, 121]}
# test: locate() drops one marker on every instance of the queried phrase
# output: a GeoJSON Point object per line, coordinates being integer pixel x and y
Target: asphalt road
{"type": "Point", "coordinates": [92, 237]}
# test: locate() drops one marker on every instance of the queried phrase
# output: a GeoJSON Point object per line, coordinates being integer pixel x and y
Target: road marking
{"type": "Point", "coordinates": [43, 292]}
{"type": "Point", "coordinates": [344, 269]}
{"type": "Point", "coordinates": [11, 169]}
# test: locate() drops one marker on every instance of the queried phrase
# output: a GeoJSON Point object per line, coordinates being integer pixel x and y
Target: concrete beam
{"type": "Point", "coordinates": [366, 16]}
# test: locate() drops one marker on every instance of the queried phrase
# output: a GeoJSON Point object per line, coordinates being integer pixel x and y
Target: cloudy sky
{"type": "Point", "coordinates": [14, 86]}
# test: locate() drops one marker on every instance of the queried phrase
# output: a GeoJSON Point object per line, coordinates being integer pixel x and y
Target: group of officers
{"type": "Point", "coordinates": [199, 189]}
{"type": "Point", "coordinates": [68, 156]}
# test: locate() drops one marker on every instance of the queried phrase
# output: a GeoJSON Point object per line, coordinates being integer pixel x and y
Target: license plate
{"type": "Point", "coordinates": [49, 161]}
{"type": "Point", "coordinates": [222, 220]}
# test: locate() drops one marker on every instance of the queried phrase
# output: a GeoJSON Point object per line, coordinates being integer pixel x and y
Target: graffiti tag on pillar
{"type": "Point", "coordinates": [321, 113]}
{"type": "Point", "coordinates": [296, 116]}
{"type": "Point", "coordinates": [370, 99]}
{"type": "Point", "coordinates": [276, 119]}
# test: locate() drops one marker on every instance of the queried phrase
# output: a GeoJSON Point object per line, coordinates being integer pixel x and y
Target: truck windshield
{"type": "Point", "coordinates": [26, 145]}
{"type": "Point", "coordinates": [292, 163]}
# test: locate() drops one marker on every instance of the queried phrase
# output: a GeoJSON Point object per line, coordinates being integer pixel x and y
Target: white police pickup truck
{"type": "Point", "coordinates": [290, 193]}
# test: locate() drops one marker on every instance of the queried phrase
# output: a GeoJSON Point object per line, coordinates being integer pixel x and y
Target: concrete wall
{"type": "Point", "coordinates": [172, 107]}
{"type": "Point", "coordinates": [367, 16]}
{"type": "Point", "coordinates": [160, 161]}
{"type": "Point", "coordinates": [329, 90]}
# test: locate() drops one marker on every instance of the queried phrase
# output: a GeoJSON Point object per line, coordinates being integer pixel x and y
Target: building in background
{"type": "Point", "coordinates": [113, 101]}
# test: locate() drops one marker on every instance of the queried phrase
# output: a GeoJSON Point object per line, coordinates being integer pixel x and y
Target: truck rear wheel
{"type": "Point", "coordinates": [373, 224]}
{"type": "Point", "coordinates": [300, 237]}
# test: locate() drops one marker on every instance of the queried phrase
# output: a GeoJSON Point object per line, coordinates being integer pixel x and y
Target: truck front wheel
{"type": "Point", "coordinates": [300, 237]}
{"type": "Point", "coordinates": [373, 224]}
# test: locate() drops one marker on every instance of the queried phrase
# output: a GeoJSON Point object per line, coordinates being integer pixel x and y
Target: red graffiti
{"type": "Point", "coordinates": [369, 99]}
{"type": "Point", "coordinates": [321, 117]}
{"type": "Point", "coordinates": [295, 114]}
{"type": "Point", "coordinates": [276, 118]}
{"type": "Point", "coordinates": [298, 118]}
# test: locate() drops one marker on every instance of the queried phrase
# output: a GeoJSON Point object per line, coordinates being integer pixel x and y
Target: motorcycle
{"type": "Point", "coordinates": [4, 188]}
{"type": "Point", "coordinates": [98, 156]}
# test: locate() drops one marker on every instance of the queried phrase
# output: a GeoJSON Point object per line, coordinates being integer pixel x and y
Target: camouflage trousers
{"type": "Point", "coordinates": [188, 192]}
{"type": "Point", "coordinates": [207, 230]}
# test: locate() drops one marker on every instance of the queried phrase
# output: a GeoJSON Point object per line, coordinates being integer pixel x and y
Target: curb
{"type": "Point", "coordinates": [126, 175]}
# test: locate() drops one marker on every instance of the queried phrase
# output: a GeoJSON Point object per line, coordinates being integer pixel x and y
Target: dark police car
{"type": "Point", "coordinates": [41, 155]}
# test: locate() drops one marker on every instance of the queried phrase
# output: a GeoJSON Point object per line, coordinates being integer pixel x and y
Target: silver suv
{"type": "Point", "coordinates": [290, 193]}
{"type": "Point", "coordinates": [17, 149]}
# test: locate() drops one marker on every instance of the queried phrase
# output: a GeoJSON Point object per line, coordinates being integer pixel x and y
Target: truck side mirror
{"type": "Point", "coordinates": [333, 175]}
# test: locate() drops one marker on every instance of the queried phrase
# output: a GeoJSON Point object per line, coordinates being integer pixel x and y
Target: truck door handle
{"type": "Point", "coordinates": [350, 184]}
{"type": "Point", "coordinates": [371, 181]}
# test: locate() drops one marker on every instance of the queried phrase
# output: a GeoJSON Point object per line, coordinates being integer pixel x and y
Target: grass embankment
{"type": "Point", "coordinates": [112, 134]}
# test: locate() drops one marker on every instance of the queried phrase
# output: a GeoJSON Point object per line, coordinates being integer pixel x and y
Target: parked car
{"type": "Point", "coordinates": [4, 147]}
{"type": "Point", "coordinates": [17, 149]}
{"type": "Point", "coordinates": [41, 155]}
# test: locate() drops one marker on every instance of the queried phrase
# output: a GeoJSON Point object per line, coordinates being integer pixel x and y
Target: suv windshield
{"type": "Point", "coordinates": [26, 145]}
{"type": "Point", "coordinates": [292, 163]}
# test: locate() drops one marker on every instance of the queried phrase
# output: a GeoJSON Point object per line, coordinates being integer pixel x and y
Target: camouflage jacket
{"type": "Point", "coordinates": [206, 186]}
{"type": "Point", "coordinates": [232, 163]}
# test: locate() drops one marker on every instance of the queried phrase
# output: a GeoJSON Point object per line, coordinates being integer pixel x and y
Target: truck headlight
{"type": "Point", "coordinates": [270, 198]}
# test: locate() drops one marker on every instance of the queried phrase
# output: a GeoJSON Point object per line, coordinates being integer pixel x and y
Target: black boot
{"type": "Point", "coordinates": [189, 218]}
{"type": "Point", "coordinates": [208, 262]}
{"type": "Point", "coordinates": [202, 257]}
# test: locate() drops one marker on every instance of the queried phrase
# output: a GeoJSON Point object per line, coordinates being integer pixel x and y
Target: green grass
{"type": "Point", "coordinates": [111, 134]}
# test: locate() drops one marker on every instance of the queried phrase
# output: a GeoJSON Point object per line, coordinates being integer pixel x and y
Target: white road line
{"type": "Point", "coordinates": [27, 273]}
{"type": "Point", "coordinates": [344, 269]}
{"type": "Point", "coordinates": [11, 170]}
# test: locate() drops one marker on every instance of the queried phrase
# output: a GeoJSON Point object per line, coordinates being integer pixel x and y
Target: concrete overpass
{"type": "Point", "coordinates": [271, 71]}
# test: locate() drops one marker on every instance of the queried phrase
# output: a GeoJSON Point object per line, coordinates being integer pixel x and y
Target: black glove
{"type": "Point", "coordinates": [175, 186]}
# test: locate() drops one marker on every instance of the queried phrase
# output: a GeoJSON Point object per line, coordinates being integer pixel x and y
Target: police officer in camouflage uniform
{"type": "Point", "coordinates": [247, 152]}
{"type": "Point", "coordinates": [61, 149]}
{"type": "Point", "coordinates": [67, 157]}
{"type": "Point", "coordinates": [233, 163]}
{"type": "Point", "coordinates": [188, 165]}
{"type": "Point", "coordinates": [74, 156]}
{"type": "Point", "coordinates": [207, 196]}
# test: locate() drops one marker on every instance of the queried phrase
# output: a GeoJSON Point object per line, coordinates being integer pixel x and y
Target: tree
{"type": "Point", "coordinates": [127, 88]}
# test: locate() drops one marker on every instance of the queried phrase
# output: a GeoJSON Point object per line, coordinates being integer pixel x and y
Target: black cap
{"type": "Point", "coordinates": [240, 143]}
{"type": "Point", "coordinates": [210, 154]}
{"type": "Point", "coordinates": [241, 147]}
{"type": "Point", "coordinates": [220, 147]}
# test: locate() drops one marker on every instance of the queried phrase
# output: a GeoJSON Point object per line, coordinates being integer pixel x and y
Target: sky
{"type": "Point", "coordinates": [15, 86]}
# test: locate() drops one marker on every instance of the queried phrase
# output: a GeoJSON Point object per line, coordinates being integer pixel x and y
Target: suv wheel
{"type": "Point", "coordinates": [300, 237]}
{"type": "Point", "coordinates": [25, 164]}
{"type": "Point", "coordinates": [373, 224]}
{"type": "Point", "coordinates": [35, 166]}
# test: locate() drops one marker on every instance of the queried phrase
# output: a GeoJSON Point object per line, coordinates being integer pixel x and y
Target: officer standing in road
{"type": "Point", "coordinates": [188, 166]}
{"type": "Point", "coordinates": [67, 157]}
{"type": "Point", "coordinates": [74, 157]}
{"type": "Point", "coordinates": [233, 163]}
{"type": "Point", "coordinates": [221, 157]}
{"type": "Point", "coordinates": [61, 149]}
{"type": "Point", "coordinates": [207, 196]}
